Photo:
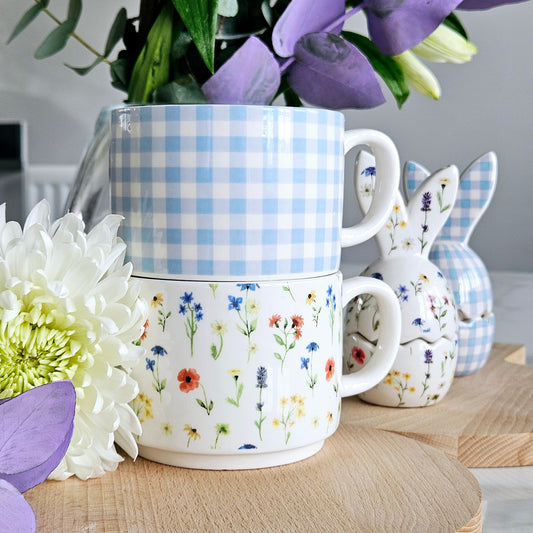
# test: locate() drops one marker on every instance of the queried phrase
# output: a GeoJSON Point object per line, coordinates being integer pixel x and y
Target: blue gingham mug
{"type": "Point", "coordinates": [227, 192]}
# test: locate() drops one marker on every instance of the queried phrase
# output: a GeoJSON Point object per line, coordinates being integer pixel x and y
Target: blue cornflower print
{"type": "Point", "coordinates": [234, 303]}
{"type": "Point", "coordinates": [330, 290]}
{"type": "Point", "coordinates": [402, 294]}
{"type": "Point", "coordinates": [153, 365]}
{"type": "Point", "coordinates": [187, 298]}
{"type": "Point", "coordinates": [418, 322]}
{"type": "Point", "coordinates": [193, 314]}
{"type": "Point", "coordinates": [312, 347]}
{"type": "Point", "coordinates": [247, 447]}
{"type": "Point", "coordinates": [307, 365]}
{"type": "Point", "coordinates": [248, 286]}
{"type": "Point", "coordinates": [305, 362]}
{"type": "Point", "coordinates": [369, 172]}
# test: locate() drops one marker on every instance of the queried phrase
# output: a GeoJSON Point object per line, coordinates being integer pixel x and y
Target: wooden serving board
{"type": "Point", "coordinates": [362, 480]}
{"type": "Point", "coordinates": [486, 419]}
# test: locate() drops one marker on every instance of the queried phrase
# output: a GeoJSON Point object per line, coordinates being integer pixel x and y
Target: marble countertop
{"type": "Point", "coordinates": [507, 493]}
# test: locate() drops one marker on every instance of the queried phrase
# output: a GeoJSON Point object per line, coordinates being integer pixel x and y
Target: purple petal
{"type": "Point", "coordinates": [16, 513]}
{"type": "Point", "coordinates": [301, 17]}
{"type": "Point", "coordinates": [250, 76]}
{"type": "Point", "coordinates": [35, 430]}
{"type": "Point", "coordinates": [397, 25]}
{"type": "Point", "coordinates": [486, 4]}
{"type": "Point", "coordinates": [331, 72]}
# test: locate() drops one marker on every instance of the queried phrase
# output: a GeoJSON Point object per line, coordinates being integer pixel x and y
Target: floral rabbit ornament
{"type": "Point", "coordinates": [425, 364]}
{"type": "Point", "coordinates": [464, 269]}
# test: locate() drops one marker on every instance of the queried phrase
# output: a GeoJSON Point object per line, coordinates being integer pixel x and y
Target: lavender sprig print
{"type": "Point", "coordinates": [428, 360]}
{"type": "Point", "coordinates": [153, 365]}
{"type": "Point", "coordinates": [331, 304]}
{"type": "Point", "coordinates": [261, 384]}
{"type": "Point", "coordinates": [426, 207]}
{"type": "Point", "coordinates": [193, 313]}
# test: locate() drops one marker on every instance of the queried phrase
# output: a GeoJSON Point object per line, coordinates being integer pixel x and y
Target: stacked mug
{"type": "Point", "coordinates": [233, 220]}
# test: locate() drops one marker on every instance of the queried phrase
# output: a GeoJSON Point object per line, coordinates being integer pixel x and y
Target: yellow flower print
{"type": "Point", "coordinates": [276, 423]}
{"type": "Point", "coordinates": [311, 297]}
{"type": "Point", "coordinates": [157, 300]}
{"type": "Point", "coordinates": [192, 433]}
{"type": "Point", "coordinates": [329, 417]}
{"type": "Point", "coordinates": [284, 402]}
{"type": "Point", "coordinates": [412, 389]}
{"type": "Point", "coordinates": [219, 328]}
{"type": "Point", "coordinates": [396, 208]}
{"type": "Point", "coordinates": [423, 278]}
{"type": "Point", "coordinates": [316, 422]}
{"type": "Point", "coordinates": [166, 428]}
{"type": "Point", "coordinates": [403, 224]}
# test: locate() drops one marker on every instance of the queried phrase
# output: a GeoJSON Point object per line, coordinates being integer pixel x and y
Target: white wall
{"type": "Point", "coordinates": [486, 105]}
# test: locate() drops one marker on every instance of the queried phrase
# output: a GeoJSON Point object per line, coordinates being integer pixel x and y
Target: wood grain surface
{"type": "Point", "coordinates": [485, 420]}
{"type": "Point", "coordinates": [363, 480]}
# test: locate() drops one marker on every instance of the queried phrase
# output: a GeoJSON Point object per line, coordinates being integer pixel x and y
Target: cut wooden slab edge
{"type": "Point", "coordinates": [475, 525]}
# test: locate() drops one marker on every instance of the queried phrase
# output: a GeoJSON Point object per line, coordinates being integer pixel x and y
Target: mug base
{"type": "Point", "coordinates": [229, 461]}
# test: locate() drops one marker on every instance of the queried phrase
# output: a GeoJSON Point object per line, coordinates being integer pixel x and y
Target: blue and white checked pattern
{"type": "Point", "coordinates": [228, 191]}
{"type": "Point", "coordinates": [475, 344]}
{"type": "Point", "coordinates": [467, 276]}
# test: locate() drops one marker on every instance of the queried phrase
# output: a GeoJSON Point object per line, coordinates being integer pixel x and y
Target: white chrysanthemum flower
{"type": "Point", "coordinates": [70, 310]}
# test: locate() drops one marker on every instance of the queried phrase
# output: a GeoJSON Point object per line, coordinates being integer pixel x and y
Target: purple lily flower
{"type": "Point", "coordinates": [486, 4]}
{"type": "Point", "coordinates": [331, 72]}
{"type": "Point", "coordinates": [398, 25]}
{"type": "Point", "coordinates": [250, 76]}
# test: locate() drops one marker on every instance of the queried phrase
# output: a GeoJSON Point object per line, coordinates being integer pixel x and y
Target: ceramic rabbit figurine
{"type": "Point", "coordinates": [425, 365]}
{"type": "Point", "coordinates": [464, 269]}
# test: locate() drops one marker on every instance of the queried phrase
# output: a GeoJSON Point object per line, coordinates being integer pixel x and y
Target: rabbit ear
{"type": "Point", "coordinates": [365, 177]}
{"type": "Point", "coordinates": [430, 206]}
{"type": "Point", "coordinates": [476, 189]}
{"type": "Point", "coordinates": [413, 176]}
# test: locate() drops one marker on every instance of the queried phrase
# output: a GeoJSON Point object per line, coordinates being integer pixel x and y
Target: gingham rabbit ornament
{"type": "Point", "coordinates": [463, 268]}
{"type": "Point", "coordinates": [425, 364]}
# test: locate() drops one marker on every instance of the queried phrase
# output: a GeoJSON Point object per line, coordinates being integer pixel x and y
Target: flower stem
{"type": "Point", "coordinates": [75, 35]}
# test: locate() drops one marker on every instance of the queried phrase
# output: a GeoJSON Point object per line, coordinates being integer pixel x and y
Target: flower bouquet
{"type": "Point", "coordinates": [236, 52]}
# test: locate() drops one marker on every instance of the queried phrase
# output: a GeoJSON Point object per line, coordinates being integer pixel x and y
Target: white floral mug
{"type": "Point", "coordinates": [248, 375]}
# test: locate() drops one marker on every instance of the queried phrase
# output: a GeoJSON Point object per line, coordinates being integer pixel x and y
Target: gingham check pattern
{"type": "Point", "coordinates": [475, 344]}
{"type": "Point", "coordinates": [237, 191]}
{"type": "Point", "coordinates": [467, 276]}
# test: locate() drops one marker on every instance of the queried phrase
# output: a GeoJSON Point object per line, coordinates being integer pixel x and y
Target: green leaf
{"type": "Point", "coordinates": [292, 345]}
{"type": "Point", "coordinates": [74, 10]}
{"type": "Point", "coordinates": [116, 32]}
{"type": "Point", "coordinates": [183, 90]}
{"type": "Point", "coordinates": [119, 74]}
{"type": "Point", "coordinates": [384, 65]}
{"type": "Point", "coordinates": [201, 403]}
{"type": "Point", "coordinates": [278, 356]}
{"type": "Point", "coordinates": [279, 340]}
{"type": "Point", "coordinates": [152, 67]}
{"type": "Point", "coordinates": [214, 351]}
{"type": "Point", "coordinates": [56, 40]}
{"type": "Point", "coordinates": [453, 22]}
{"type": "Point", "coordinates": [28, 17]}
{"type": "Point", "coordinates": [253, 325]}
{"type": "Point", "coordinates": [82, 71]}
{"type": "Point", "coordinates": [163, 383]}
{"type": "Point", "coordinates": [182, 40]}
{"type": "Point", "coordinates": [200, 17]}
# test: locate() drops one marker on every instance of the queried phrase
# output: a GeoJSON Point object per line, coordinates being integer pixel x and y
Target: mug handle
{"type": "Point", "coordinates": [388, 165]}
{"type": "Point", "coordinates": [389, 336]}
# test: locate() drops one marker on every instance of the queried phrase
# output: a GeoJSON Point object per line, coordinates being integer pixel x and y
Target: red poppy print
{"type": "Point", "coordinates": [273, 320]}
{"type": "Point", "coordinates": [330, 368]}
{"type": "Point", "coordinates": [358, 355]}
{"type": "Point", "coordinates": [189, 379]}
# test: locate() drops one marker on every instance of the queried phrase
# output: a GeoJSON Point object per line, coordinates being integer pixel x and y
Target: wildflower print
{"type": "Point", "coordinates": [221, 429]}
{"type": "Point", "coordinates": [428, 360]}
{"type": "Point", "coordinates": [193, 313]}
{"type": "Point", "coordinates": [248, 447]}
{"type": "Point", "coordinates": [440, 195]}
{"type": "Point", "coordinates": [426, 207]}
{"type": "Point", "coordinates": [286, 288]}
{"type": "Point", "coordinates": [157, 302]}
{"type": "Point", "coordinates": [290, 411]}
{"type": "Point", "coordinates": [153, 365]}
{"type": "Point", "coordinates": [330, 369]}
{"type": "Point", "coordinates": [289, 332]}
{"type": "Point", "coordinates": [439, 309]}
{"type": "Point", "coordinates": [408, 244]}
{"type": "Point", "coordinates": [142, 407]}
{"type": "Point", "coordinates": [402, 293]}
{"type": "Point", "coordinates": [248, 324]}
{"type": "Point", "coordinates": [145, 330]}
{"type": "Point", "coordinates": [166, 429]}
{"type": "Point", "coordinates": [219, 329]}
{"type": "Point", "coordinates": [329, 418]}
{"type": "Point", "coordinates": [316, 422]}
{"type": "Point", "coordinates": [189, 380]}
{"type": "Point", "coordinates": [307, 365]}
{"type": "Point", "coordinates": [419, 321]}
{"type": "Point", "coordinates": [393, 224]}
{"type": "Point", "coordinates": [367, 301]}
{"type": "Point", "coordinates": [235, 374]}
{"type": "Point", "coordinates": [447, 356]}
{"type": "Point", "coordinates": [331, 304]}
{"type": "Point", "coordinates": [214, 287]}
{"type": "Point", "coordinates": [418, 285]}
{"type": "Point", "coordinates": [311, 301]}
{"type": "Point", "coordinates": [261, 384]}
{"type": "Point", "coordinates": [358, 355]}
{"type": "Point", "coordinates": [192, 433]}
{"type": "Point", "coordinates": [400, 382]}
{"type": "Point", "coordinates": [369, 172]}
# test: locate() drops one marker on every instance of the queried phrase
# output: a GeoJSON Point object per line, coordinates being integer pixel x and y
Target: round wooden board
{"type": "Point", "coordinates": [363, 480]}
{"type": "Point", "coordinates": [486, 419]}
